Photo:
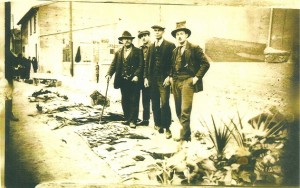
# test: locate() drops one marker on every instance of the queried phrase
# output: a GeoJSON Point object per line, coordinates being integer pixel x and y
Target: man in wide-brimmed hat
{"type": "Point", "coordinates": [156, 75]}
{"type": "Point", "coordinates": [144, 36]}
{"type": "Point", "coordinates": [128, 66]}
{"type": "Point", "coordinates": [189, 66]}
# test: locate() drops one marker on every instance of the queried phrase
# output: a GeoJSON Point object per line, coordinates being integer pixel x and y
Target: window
{"type": "Point", "coordinates": [34, 24]}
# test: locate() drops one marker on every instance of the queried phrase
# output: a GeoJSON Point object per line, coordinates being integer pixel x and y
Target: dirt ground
{"type": "Point", "coordinates": [37, 154]}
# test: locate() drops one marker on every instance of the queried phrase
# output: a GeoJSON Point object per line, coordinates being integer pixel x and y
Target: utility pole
{"type": "Point", "coordinates": [270, 28]}
{"type": "Point", "coordinates": [71, 41]}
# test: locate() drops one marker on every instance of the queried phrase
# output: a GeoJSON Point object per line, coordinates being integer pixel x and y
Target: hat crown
{"type": "Point", "coordinates": [180, 25]}
{"type": "Point", "coordinates": [126, 34]}
{"type": "Point", "coordinates": [143, 31]}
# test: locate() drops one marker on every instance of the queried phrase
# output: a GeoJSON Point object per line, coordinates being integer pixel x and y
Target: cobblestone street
{"type": "Point", "coordinates": [81, 154]}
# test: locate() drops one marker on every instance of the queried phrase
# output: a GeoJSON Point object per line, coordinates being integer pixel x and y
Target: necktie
{"type": "Point", "coordinates": [156, 43]}
{"type": "Point", "coordinates": [178, 59]}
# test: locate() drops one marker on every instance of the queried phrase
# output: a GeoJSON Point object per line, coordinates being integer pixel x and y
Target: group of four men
{"type": "Point", "coordinates": [155, 67]}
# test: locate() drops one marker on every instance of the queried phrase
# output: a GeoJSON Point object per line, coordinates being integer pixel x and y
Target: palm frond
{"type": "Point", "coordinates": [239, 136]}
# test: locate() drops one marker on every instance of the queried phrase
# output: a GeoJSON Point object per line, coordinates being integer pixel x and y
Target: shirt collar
{"type": "Point", "coordinates": [184, 44]}
{"type": "Point", "coordinates": [127, 49]}
{"type": "Point", "coordinates": [159, 42]}
{"type": "Point", "coordinates": [147, 45]}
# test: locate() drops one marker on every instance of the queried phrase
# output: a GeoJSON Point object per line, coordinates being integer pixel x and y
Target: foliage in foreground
{"type": "Point", "coordinates": [254, 161]}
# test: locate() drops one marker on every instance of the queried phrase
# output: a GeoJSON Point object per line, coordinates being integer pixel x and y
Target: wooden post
{"type": "Point", "coordinates": [270, 28]}
{"type": "Point", "coordinates": [71, 41]}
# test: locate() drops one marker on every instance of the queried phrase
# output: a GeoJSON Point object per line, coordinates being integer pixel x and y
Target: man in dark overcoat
{"type": "Point", "coordinates": [156, 75]}
{"type": "Point", "coordinates": [128, 68]}
{"type": "Point", "coordinates": [144, 36]}
{"type": "Point", "coordinates": [34, 64]}
{"type": "Point", "coordinates": [189, 66]}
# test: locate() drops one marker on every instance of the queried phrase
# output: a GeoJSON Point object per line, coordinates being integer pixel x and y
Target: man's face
{"type": "Point", "coordinates": [181, 36]}
{"type": "Point", "coordinates": [145, 38]}
{"type": "Point", "coordinates": [126, 42]}
{"type": "Point", "coordinates": [158, 33]}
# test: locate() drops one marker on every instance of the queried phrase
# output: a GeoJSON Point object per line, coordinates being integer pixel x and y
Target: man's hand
{"type": "Point", "coordinates": [195, 79]}
{"type": "Point", "coordinates": [171, 81]}
{"type": "Point", "coordinates": [135, 79]}
{"type": "Point", "coordinates": [146, 83]}
{"type": "Point", "coordinates": [166, 82]}
{"type": "Point", "coordinates": [108, 77]}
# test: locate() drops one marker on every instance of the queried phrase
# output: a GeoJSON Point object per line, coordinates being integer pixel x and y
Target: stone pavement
{"type": "Point", "coordinates": [249, 88]}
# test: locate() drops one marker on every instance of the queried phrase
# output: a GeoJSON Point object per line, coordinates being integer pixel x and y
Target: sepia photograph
{"type": "Point", "coordinates": [149, 93]}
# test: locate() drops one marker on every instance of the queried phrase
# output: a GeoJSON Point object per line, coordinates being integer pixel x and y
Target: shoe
{"type": "Point", "coordinates": [143, 123]}
{"type": "Point", "coordinates": [132, 125]}
{"type": "Point", "coordinates": [168, 134]}
{"type": "Point", "coordinates": [161, 130]}
{"type": "Point", "coordinates": [125, 122]}
{"type": "Point", "coordinates": [182, 139]}
{"type": "Point", "coordinates": [156, 127]}
{"type": "Point", "coordinates": [178, 139]}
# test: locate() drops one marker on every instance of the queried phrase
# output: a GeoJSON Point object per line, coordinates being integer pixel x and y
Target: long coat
{"type": "Point", "coordinates": [196, 61]}
{"type": "Point", "coordinates": [166, 49]}
{"type": "Point", "coordinates": [135, 59]}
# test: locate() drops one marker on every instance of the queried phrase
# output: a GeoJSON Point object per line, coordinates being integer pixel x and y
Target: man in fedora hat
{"type": "Point", "coordinates": [128, 66]}
{"type": "Point", "coordinates": [189, 66]}
{"type": "Point", "coordinates": [144, 36]}
{"type": "Point", "coordinates": [156, 75]}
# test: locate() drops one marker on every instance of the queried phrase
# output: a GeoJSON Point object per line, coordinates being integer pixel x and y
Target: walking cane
{"type": "Point", "coordinates": [100, 121]}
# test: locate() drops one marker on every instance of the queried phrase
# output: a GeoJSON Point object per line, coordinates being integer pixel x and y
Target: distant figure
{"type": "Point", "coordinates": [97, 72]}
{"type": "Point", "coordinates": [19, 69]}
{"type": "Point", "coordinates": [27, 67]}
{"type": "Point", "coordinates": [34, 64]}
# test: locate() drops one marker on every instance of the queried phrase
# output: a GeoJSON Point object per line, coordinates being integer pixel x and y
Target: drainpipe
{"type": "Point", "coordinates": [71, 41]}
{"type": "Point", "coordinates": [270, 28]}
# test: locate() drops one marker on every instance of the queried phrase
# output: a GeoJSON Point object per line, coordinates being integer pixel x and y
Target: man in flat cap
{"type": "Point", "coordinates": [156, 75]}
{"type": "Point", "coordinates": [128, 66]}
{"type": "Point", "coordinates": [144, 36]}
{"type": "Point", "coordinates": [189, 66]}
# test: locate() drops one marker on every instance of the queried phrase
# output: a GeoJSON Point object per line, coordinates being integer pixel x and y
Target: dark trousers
{"type": "Point", "coordinates": [183, 90]}
{"type": "Point", "coordinates": [130, 92]}
{"type": "Point", "coordinates": [160, 104]}
{"type": "Point", "coordinates": [146, 103]}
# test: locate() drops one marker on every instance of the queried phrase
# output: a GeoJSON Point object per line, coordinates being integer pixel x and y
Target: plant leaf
{"type": "Point", "coordinates": [245, 176]}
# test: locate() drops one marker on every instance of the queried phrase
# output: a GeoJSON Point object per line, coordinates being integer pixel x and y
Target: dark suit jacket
{"type": "Point", "coordinates": [135, 60]}
{"type": "Point", "coordinates": [165, 58]}
{"type": "Point", "coordinates": [196, 61]}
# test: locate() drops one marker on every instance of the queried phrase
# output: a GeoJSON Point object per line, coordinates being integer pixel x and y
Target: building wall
{"type": "Point", "coordinates": [94, 22]}
{"type": "Point", "coordinates": [285, 29]}
{"type": "Point", "coordinates": [53, 21]}
{"type": "Point", "coordinates": [237, 23]}
{"type": "Point", "coordinates": [24, 31]}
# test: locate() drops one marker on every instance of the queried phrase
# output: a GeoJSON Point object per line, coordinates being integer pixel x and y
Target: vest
{"type": "Point", "coordinates": [158, 65]}
{"type": "Point", "coordinates": [126, 70]}
{"type": "Point", "coordinates": [181, 70]}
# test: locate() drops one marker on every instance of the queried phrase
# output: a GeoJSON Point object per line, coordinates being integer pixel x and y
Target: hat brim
{"type": "Point", "coordinates": [181, 29]}
{"type": "Point", "coordinates": [157, 27]}
{"type": "Point", "coordinates": [143, 33]}
{"type": "Point", "coordinates": [121, 38]}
